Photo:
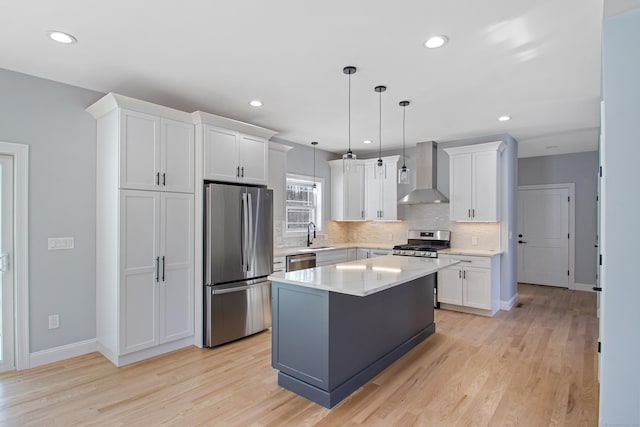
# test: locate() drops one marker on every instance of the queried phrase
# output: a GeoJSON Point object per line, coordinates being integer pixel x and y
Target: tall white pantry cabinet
{"type": "Point", "coordinates": [144, 229]}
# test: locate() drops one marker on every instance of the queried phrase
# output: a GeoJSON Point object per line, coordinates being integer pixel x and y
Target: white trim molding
{"type": "Point", "coordinates": [585, 287]}
{"type": "Point", "coordinates": [63, 352]}
{"type": "Point", "coordinates": [508, 305]}
{"type": "Point", "coordinates": [20, 154]}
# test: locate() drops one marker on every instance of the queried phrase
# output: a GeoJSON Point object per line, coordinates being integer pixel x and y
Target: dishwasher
{"type": "Point", "coordinates": [301, 261]}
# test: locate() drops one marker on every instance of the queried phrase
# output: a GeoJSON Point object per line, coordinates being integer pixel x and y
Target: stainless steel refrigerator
{"type": "Point", "coordinates": [238, 242]}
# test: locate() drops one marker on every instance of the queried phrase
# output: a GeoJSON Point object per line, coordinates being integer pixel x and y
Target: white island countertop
{"type": "Point", "coordinates": [364, 277]}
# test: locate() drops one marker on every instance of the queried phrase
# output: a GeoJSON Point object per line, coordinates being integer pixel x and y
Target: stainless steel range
{"type": "Point", "coordinates": [425, 243]}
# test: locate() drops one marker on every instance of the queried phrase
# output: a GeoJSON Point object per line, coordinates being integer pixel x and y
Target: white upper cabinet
{"type": "Point", "coordinates": [381, 193]}
{"type": "Point", "coordinates": [347, 192]}
{"type": "Point", "coordinates": [474, 182]}
{"type": "Point", "coordinates": [235, 157]}
{"type": "Point", "coordinates": [155, 153]}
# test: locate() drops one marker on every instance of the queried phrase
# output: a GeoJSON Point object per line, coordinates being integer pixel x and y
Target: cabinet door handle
{"type": "Point", "coordinates": [473, 213]}
{"type": "Point", "coordinates": [469, 213]}
{"type": "Point", "coordinates": [242, 171]}
{"type": "Point", "coordinates": [163, 268]}
{"type": "Point", "coordinates": [238, 171]}
{"type": "Point", "coordinates": [157, 269]}
{"type": "Point", "coordinates": [157, 178]}
{"type": "Point", "coordinates": [164, 179]}
{"type": "Point", "coordinates": [464, 275]}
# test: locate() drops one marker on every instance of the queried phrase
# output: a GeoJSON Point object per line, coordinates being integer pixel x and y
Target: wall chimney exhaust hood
{"type": "Point", "coordinates": [426, 177]}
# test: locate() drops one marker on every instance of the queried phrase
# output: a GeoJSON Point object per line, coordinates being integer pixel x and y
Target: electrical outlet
{"type": "Point", "coordinates": [54, 321]}
{"type": "Point", "coordinates": [474, 240]}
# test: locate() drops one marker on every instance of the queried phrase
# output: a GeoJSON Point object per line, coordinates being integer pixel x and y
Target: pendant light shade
{"type": "Point", "coordinates": [379, 171]}
{"type": "Point", "coordinates": [348, 157]}
{"type": "Point", "coordinates": [403, 172]}
{"type": "Point", "coordinates": [315, 187]}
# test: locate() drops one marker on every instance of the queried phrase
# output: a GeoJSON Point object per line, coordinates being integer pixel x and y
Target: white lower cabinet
{"type": "Point", "coordinates": [156, 293]}
{"type": "Point", "coordinates": [335, 256]}
{"type": "Point", "coordinates": [472, 286]}
{"type": "Point", "coordinates": [279, 264]}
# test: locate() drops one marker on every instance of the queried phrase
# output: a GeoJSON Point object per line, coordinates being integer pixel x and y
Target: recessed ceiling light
{"type": "Point", "coordinates": [504, 118]}
{"type": "Point", "coordinates": [366, 142]}
{"type": "Point", "coordinates": [436, 41]}
{"type": "Point", "coordinates": [61, 37]}
{"type": "Point", "coordinates": [256, 103]}
{"type": "Point", "coordinates": [549, 147]}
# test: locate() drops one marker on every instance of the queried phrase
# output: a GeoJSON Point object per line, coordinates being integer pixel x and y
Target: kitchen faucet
{"type": "Point", "coordinates": [309, 241]}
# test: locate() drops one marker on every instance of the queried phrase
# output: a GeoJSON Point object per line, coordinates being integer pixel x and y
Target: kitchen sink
{"type": "Point", "coordinates": [317, 248]}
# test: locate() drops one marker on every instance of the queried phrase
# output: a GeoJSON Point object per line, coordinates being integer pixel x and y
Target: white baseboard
{"type": "Point", "coordinates": [583, 287]}
{"type": "Point", "coordinates": [63, 352]}
{"type": "Point", "coordinates": [508, 305]}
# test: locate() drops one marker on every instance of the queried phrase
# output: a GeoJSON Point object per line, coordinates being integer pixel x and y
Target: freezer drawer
{"type": "Point", "coordinates": [234, 312]}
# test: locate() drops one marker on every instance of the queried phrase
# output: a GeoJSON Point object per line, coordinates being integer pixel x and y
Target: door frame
{"type": "Point", "coordinates": [20, 154]}
{"type": "Point", "coordinates": [571, 188]}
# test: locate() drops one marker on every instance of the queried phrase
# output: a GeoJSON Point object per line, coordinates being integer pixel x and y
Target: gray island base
{"type": "Point", "coordinates": [328, 344]}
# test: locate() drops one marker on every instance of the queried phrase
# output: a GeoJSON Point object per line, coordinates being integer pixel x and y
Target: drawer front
{"type": "Point", "coordinates": [469, 260]}
{"type": "Point", "coordinates": [279, 264]}
{"type": "Point", "coordinates": [332, 256]}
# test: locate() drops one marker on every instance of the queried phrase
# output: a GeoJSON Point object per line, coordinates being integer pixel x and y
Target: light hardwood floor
{"type": "Point", "coordinates": [535, 365]}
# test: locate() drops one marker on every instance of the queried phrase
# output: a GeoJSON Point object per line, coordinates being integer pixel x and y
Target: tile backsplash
{"type": "Point", "coordinates": [486, 236]}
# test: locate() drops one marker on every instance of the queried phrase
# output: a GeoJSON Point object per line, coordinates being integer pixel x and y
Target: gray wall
{"type": "Point", "coordinates": [620, 316]}
{"type": "Point", "coordinates": [300, 161]}
{"type": "Point", "coordinates": [580, 169]}
{"type": "Point", "coordinates": [50, 118]}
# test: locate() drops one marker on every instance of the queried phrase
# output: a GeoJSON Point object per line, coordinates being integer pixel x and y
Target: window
{"type": "Point", "coordinates": [302, 205]}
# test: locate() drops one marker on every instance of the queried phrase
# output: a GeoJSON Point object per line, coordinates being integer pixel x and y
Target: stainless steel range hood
{"type": "Point", "coordinates": [426, 177]}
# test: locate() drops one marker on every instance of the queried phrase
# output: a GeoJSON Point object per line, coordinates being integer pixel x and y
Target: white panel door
{"type": "Point", "coordinates": [460, 187]}
{"type": "Point", "coordinates": [139, 151]}
{"type": "Point", "coordinates": [389, 193]}
{"type": "Point", "coordinates": [354, 193]}
{"type": "Point", "coordinates": [373, 192]}
{"type": "Point", "coordinates": [176, 266]}
{"type": "Point", "coordinates": [476, 287]}
{"type": "Point", "coordinates": [543, 236]}
{"type": "Point", "coordinates": [139, 269]}
{"type": "Point", "coordinates": [220, 154]}
{"type": "Point", "coordinates": [450, 285]}
{"type": "Point", "coordinates": [177, 147]}
{"type": "Point", "coordinates": [484, 206]}
{"type": "Point", "coordinates": [253, 159]}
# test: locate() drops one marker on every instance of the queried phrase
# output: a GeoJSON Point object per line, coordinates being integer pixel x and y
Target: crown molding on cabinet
{"type": "Point", "coordinates": [111, 101]}
{"type": "Point", "coordinates": [200, 117]}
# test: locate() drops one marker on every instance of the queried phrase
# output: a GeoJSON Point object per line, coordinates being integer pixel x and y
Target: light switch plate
{"type": "Point", "coordinates": [474, 240]}
{"type": "Point", "coordinates": [57, 243]}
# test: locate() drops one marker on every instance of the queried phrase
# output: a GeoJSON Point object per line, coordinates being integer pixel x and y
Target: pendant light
{"type": "Point", "coordinates": [349, 157]}
{"type": "Point", "coordinates": [379, 171]}
{"type": "Point", "coordinates": [315, 187]}
{"type": "Point", "coordinates": [403, 173]}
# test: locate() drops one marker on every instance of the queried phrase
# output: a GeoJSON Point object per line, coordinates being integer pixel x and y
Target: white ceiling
{"type": "Point", "coordinates": [536, 60]}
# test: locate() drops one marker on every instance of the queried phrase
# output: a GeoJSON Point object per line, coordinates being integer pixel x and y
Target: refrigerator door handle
{"type": "Point", "coordinates": [251, 236]}
{"type": "Point", "coordinates": [243, 232]}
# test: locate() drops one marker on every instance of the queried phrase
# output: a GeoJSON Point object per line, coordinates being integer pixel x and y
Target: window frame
{"type": "Point", "coordinates": [318, 203]}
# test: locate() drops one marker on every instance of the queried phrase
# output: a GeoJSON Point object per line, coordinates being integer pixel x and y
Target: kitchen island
{"type": "Point", "coordinates": [336, 327]}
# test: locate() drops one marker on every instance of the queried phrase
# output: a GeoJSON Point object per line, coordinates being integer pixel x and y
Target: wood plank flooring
{"type": "Point", "coordinates": [535, 365]}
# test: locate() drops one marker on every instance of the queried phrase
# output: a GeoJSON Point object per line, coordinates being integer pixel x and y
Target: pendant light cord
{"type": "Point", "coordinates": [380, 126]}
{"type": "Point", "coordinates": [349, 113]}
{"type": "Point", "coordinates": [404, 113]}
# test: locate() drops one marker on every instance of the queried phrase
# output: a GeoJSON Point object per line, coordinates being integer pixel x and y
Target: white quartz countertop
{"type": "Point", "coordinates": [476, 252]}
{"type": "Point", "coordinates": [330, 246]}
{"type": "Point", "coordinates": [364, 277]}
